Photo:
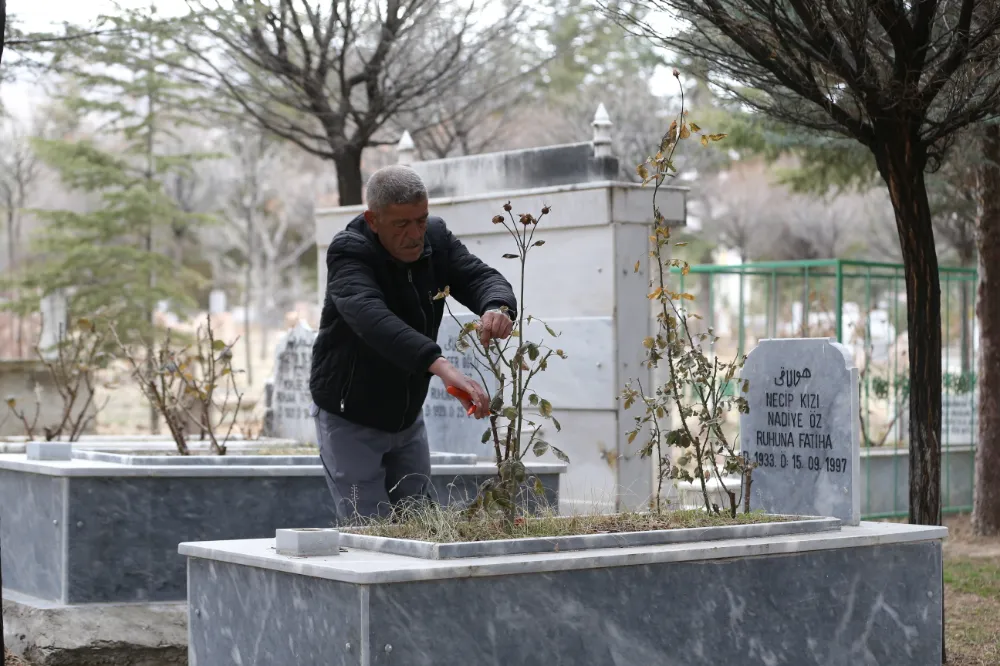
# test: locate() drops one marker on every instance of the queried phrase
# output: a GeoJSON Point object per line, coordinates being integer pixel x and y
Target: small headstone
{"type": "Point", "coordinates": [803, 429]}
{"type": "Point", "coordinates": [290, 398]}
{"type": "Point", "coordinates": [449, 428]}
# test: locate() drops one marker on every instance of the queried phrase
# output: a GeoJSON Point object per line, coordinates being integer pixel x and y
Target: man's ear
{"type": "Point", "coordinates": [371, 219]}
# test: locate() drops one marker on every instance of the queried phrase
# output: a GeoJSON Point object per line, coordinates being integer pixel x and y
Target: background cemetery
{"type": "Point", "coordinates": [778, 248]}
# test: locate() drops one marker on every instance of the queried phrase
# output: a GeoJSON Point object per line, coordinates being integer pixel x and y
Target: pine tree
{"type": "Point", "coordinates": [114, 260]}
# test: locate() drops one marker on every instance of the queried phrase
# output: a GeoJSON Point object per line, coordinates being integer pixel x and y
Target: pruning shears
{"type": "Point", "coordinates": [462, 395]}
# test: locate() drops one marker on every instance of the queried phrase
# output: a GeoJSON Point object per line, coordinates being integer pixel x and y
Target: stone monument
{"type": "Point", "coordinates": [583, 283]}
{"type": "Point", "coordinates": [53, 307]}
{"type": "Point", "coordinates": [803, 428]}
{"type": "Point", "coordinates": [449, 428]}
{"type": "Point", "coordinates": [288, 399]}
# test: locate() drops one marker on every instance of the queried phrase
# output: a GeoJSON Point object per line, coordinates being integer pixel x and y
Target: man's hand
{"type": "Point", "coordinates": [495, 324]}
{"type": "Point", "coordinates": [451, 376]}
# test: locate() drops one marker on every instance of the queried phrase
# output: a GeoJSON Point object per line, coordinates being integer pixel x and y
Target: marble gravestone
{"type": "Point", "coordinates": [803, 428]}
{"type": "Point", "coordinates": [290, 400]}
{"type": "Point", "coordinates": [449, 428]}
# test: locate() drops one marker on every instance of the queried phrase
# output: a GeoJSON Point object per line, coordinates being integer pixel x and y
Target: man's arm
{"type": "Point", "coordinates": [475, 284]}
{"type": "Point", "coordinates": [352, 286]}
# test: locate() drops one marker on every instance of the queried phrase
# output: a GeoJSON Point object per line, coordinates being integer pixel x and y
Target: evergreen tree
{"type": "Point", "coordinates": [114, 259]}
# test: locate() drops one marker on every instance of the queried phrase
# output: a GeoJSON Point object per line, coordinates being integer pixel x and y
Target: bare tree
{"type": "Point", "coordinates": [329, 75]}
{"type": "Point", "coordinates": [194, 188]}
{"type": "Point", "coordinates": [480, 109]}
{"type": "Point", "coordinates": [268, 190]}
{"type": "Point", "coordinates": [19, 170]}
{"type": "Point", "coordinates": [902, 79]}
{"type": "Point", "coordinates": [742, 209]}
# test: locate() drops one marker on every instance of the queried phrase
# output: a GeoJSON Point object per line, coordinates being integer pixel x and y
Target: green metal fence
{"type": "Point", "coordinates": [863, 305]}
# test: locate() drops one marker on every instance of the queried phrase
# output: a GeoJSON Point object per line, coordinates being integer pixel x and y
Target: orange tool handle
{"type": "Point", "coordinates": [460, 394]}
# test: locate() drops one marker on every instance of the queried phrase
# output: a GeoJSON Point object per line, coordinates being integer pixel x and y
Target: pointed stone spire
{"type": "Point", "coordinates": [602, 132]}
{"type": "Point", "coordinates": [406, 150]}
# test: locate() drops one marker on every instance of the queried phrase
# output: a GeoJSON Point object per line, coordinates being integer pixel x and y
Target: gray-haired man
{"type": "Point", "coordinates": [376, 349]}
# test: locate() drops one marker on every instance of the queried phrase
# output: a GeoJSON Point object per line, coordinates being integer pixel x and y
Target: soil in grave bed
{"type": "Point", "coordinates": [443, 525]}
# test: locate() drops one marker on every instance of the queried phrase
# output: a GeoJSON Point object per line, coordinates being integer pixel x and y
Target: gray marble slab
{"type": "Point", "coordinates": [803, 428]}
{"type": "Point", "coordinates": [197, 460]}
{"type": "Point", "coordinates": [355, 538]}
{"type": "Point", "coordinates": [123, 533]}
{"type": "Point", "coordinates": [117, 541]}
{"type": "Point", "coordinates": [873, 605]}
{"type": "Point", "coordinates": [32, 544]}
{"type": "Point", "coordinates": [100, 468]}
{"type": "Point", "coordinates": [241, 615]}
{"type": "Point", "coordinates": [372, 568]}
{"type": "Point", "coordinates": [228, 459]}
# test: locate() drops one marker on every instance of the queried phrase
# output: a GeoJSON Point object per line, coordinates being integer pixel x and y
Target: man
{"type": "Point", "coordinates": [376, 349]}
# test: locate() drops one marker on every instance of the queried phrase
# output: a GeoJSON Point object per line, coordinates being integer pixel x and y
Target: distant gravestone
{"type": "Point", "coordinates": [803, 428]}
{"type": "Point", "coordinates": [290, 399]}
{"type": "Point", "coordinates": [959, 423]}
{"type": "Point", "coordinates": [449, 428]}
{"type": "Point", "coordinates": [54, 320]}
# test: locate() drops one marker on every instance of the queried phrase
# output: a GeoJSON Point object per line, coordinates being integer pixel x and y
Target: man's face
{"type": "Point", "coordinates": [400, 229]}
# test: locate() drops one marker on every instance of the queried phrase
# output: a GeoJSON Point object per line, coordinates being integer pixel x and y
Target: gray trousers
{"type": "Point", "coordinates": [370, 472]}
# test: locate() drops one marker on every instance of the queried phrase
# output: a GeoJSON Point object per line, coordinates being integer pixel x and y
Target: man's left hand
{"type": "Point", "coordinates": [494, 325]}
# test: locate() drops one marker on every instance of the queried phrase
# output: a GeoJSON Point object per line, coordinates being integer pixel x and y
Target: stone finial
{"type": "Point", "coordinates": [406, 150]}
{"type": "Point", "coordinates": [602, 132]}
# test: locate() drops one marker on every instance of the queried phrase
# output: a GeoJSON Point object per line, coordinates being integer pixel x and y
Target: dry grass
{"type": "Point", "coordinates": [449, 525]}
{"type": "Point", "coordinates": [11, 660]}
{"type": "Point", "coordinates": [972, 609]}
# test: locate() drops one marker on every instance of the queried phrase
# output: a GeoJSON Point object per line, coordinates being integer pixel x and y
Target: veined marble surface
{"type": "Point", "coordinates": [107, 533]}
{"type": "Point", "coordinates": [76, 467]}
{"type": "Point", "coordinates": [149, 458]}
{"type": "Point", "coordinates": [873, 605]}
{"type": "Point", "coordinates": [367, 568]}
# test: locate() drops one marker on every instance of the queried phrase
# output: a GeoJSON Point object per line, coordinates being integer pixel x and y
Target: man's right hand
{"type": "Point", "coordinates": [451, 376]}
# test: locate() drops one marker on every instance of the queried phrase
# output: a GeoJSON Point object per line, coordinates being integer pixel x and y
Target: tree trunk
{"type": "Point", "coordinates": [349, 180]}
{"type": "Point", "coordinates": [3, 31]}
{"type": "Point", "coordinates": [901, 163]}
{"type": "Point", "coordinates": [986, 502]}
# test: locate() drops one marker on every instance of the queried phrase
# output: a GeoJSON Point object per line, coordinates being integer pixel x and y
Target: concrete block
{"type": "Point", "coordinates": [307, 541]}
{"type": "Point", "coordinates": [49, 450]}
{"type": "Point", "coordinates": [52, 634]}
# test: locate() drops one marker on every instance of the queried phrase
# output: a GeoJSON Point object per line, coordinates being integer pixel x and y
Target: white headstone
{"type": "Point", "coordinates": [803, 428]}
{"type": "Point", "coordinates": [449, 428]}
{"type": "Point", "coordinates": [53, 309]}
{"type": "Point", "coordinates": [290, 396]}
{"type": "Point", "coordinates": [959, 418]}
{"type": "Point", "coordinates": [217, 301]}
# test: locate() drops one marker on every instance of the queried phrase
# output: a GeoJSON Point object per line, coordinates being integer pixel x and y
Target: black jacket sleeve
{"type": "Point", "coordinates": [475, 284]}
{"type": "Point", "coordinates": [358, 298]}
